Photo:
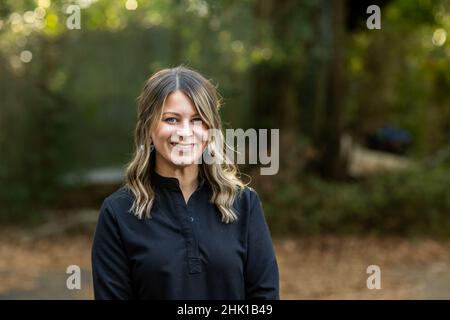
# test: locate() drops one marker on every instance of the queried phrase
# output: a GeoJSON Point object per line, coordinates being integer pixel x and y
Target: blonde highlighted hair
{"type": "Point", "coordinates": [222, 176]}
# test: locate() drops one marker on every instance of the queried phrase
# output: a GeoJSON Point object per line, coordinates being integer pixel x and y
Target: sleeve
{"type": "Point", "coordinates": [261, 268]}
{"type": "Point", "coordinates": [110, 265]}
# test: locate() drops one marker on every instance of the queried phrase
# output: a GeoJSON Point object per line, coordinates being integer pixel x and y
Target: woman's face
{"type": "Point", "coordinates": [180, 137]}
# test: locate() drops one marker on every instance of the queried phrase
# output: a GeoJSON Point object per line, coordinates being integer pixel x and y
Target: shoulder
{"type": "Point", "coordinates": [249, 193]}
{"type": "Point", "coordinates": [122, 193]}
{"type": "Point", "coordinates": [120, 200]}
{"type": "Point", "coordinates": [247, 199]}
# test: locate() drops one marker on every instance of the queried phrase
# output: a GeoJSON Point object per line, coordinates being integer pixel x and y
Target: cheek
{"type": "Point", "coordinates": [162, 133]}
{"type": "Point", "coordinates": [202, 135]}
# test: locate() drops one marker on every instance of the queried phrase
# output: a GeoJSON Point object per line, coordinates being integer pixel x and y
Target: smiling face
{"type": "Point", "coordinates": [180, 136]}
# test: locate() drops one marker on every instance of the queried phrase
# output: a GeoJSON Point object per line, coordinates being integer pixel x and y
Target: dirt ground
{"type": "Point", "coordinates": [310, 268]}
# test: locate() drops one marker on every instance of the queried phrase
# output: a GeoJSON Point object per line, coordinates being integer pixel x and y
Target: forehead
{"type": "Point", "coordinates": [178, 102]}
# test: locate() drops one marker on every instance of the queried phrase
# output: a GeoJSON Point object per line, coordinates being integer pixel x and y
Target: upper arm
{"type": "Point", "coordinates": [110, 264]}
{"type": "Point", "coordinates": [261, 268]}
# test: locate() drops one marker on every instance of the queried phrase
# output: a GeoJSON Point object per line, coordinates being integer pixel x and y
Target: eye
{"type": "Point", "coordinates": [170, 120]}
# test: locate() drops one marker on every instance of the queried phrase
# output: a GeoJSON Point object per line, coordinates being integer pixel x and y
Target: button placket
{"type": "Point", "coordinates": [185, 218]}
{"type": "Point", "coordinates": [193, 256]}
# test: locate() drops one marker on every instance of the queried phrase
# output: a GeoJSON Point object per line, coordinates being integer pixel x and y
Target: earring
{"type": "Point", "coordinates": [211, 151]}
{"type": "Point", "coordinates": [150, 148]}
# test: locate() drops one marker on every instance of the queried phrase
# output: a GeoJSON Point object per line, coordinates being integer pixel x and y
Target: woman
{"type": "Point", "coordinates": [181, 228]}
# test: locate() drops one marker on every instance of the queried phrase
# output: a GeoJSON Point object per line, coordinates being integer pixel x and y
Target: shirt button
{"type": "Point", "coordinates": [191, 219]}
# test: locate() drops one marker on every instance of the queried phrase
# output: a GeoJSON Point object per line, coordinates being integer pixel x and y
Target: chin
{"type": "Point", "coordinates": [184, 160]}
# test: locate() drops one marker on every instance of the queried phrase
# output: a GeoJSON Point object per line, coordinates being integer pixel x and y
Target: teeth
{"type": "Point", "coordinates": [182, 144]}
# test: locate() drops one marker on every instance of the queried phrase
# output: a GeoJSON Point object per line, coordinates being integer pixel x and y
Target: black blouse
{"type": "Point", "coordinates": [183, 251]}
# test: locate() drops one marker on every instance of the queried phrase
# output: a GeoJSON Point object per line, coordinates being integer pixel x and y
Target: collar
{"type": "Point", "coordinates": [171, 182]}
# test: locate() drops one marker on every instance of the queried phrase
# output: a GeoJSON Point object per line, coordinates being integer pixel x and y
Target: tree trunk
{"type": "Point", "coordinates": [332, 165]}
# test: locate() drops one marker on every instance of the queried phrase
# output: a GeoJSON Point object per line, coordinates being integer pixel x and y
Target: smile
{"type": "Point", "coordinates": [183, 145]}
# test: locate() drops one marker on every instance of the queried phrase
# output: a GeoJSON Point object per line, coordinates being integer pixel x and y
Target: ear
{"type": "Point", "coordinates": [150, 138]}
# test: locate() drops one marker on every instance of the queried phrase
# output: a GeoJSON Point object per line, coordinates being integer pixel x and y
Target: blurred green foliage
{"type": "Point", "coordinates": [72, 107]}
{"type": "Point", "coordinates": [408, 203]}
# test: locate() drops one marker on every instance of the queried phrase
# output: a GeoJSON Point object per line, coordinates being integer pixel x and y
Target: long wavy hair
{"type": "Point", "coordinates": [221, 175]}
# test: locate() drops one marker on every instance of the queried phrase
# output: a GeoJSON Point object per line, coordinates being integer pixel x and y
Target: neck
{"type": "Point", "coordinates": [187, 175]}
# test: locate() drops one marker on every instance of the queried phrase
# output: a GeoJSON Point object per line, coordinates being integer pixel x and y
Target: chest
{"type": "Point", "coordinates": [187, 241]}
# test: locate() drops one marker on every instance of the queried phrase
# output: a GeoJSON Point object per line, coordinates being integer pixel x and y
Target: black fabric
{"type": "Point", "coordinates": [184, 251]}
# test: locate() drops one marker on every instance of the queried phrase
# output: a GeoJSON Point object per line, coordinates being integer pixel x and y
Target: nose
{"type": "Point", "coordinates": [184, 132]}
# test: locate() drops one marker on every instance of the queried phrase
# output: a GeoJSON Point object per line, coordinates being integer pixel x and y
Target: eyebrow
{"type": "Point", "coordinates": [179, 114]}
